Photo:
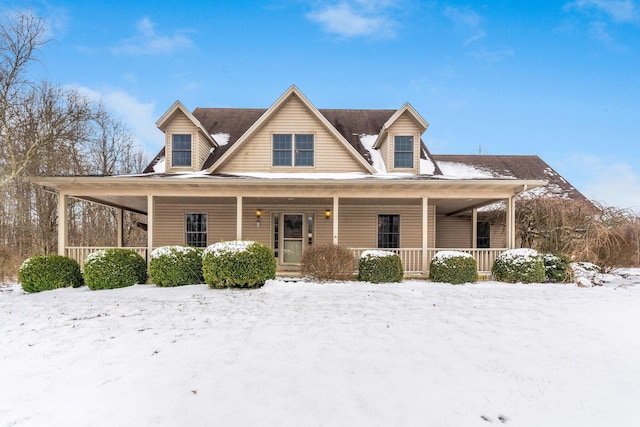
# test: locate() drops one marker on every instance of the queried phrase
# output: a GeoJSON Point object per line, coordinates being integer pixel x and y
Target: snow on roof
{"type": "Point", "coordinates": [464, 171]}
{"type": "Point", "coordinates": [368, 141]}
{"type": "Point", "coordinates": [221, 138]}
{"type": "Point", "coordinates": [427, 167]}
{"type": "Point", "coordinates": [160, 165]}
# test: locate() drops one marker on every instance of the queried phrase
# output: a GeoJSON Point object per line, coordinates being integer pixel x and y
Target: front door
{"type": "Point", "coordinates": [292, 238]}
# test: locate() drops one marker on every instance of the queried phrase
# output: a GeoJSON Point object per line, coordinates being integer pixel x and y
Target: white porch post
{"type": "Point", "coordinates": [425, 234]}
{"type": "Point", "coordinates": [149, 226]}
{"type": "Point", "coordinates": [120, 225]}
{"type": "Point", "coordinates": [474, 228]}
{"type": "Point", "coordinates": [63, 223]}
{"type": "Point", "coordinates": [511, 223]}
{"type": "Point", "coordinates": [336, 213]}
{"type": "Point", "coordinates": [239, 218]}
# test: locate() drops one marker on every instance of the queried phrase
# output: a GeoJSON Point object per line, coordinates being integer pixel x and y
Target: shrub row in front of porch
{"type": "Point", "coordinates": [251, 264]}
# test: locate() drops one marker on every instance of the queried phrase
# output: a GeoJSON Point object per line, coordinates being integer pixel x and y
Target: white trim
{"type": "Point", "coordinates": [292, 91]}
{"type": "Point", "coordinates": [178, 106]}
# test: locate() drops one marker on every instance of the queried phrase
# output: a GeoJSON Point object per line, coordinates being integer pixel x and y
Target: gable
{"type": "Point", "coordinates": [179, 123]}
{"type": "Point", "coordinates": [294, 116]}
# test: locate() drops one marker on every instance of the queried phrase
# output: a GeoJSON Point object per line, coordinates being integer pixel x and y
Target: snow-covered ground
{"type": "Point", "coordinates": [309, 354]}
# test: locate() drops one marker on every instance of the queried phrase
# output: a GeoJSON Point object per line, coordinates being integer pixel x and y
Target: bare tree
{"type": "Point", "coordinates": [21, 35]}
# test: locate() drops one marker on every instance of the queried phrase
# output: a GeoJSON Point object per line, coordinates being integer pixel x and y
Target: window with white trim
{"type": "Point", "coordinates": [181, 150]}
{"type": "Point", "coordinates": [388, 231]}
{"type": "Point", "coordinates": [293, 149]}
{"type": "Point", "coordinates": [403, 152]}
{"type": "Point", "coordinates": [196, 229]}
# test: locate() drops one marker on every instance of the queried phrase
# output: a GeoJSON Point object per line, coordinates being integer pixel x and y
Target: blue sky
{"type": "Point", "coordinates": [559, 79]}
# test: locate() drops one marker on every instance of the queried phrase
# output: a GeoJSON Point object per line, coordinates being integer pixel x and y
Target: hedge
{"type": "Point", "coordinates": [114, 268]}
{"type": "Point", "coordinates": [46, 272]}
{"type": "Point", "coordinates": [328, 262]}
{"type": "Point", "coordinates": [453, 267]}
{"type": "Point", "coordinates": [176, 266]}
{"type": "Point", "coordinates": [519, 265]}
{"type": "Point", "coordinates": [238, 264]}
{"type": "Point", "coordinates": [379, 266]}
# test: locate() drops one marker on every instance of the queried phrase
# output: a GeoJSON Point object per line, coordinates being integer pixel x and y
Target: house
{"type": "Point", "coordinates": [293, 176]}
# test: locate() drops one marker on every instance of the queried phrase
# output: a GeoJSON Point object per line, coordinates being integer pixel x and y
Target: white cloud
{"type": "Point", "coordinates": [139, 117]}
{"type": "Point", "coordinates": [617, 10]}
{"type": "Point", "coordinates": [470, 22]}
{"type": "Point", "coordinates": [360, 18]}
{"type": "Point", "coordinates": [611, 183]}
{"type": "Point", "coordinates": [148, 42]}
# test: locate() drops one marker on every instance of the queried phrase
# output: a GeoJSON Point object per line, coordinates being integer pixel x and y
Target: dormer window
{"type": "Point", "coordinates": [403, 152]}
{"type": "Point", "coordinates": [293, 150]}
{"type": "Point", "coordinates": [181, 150]}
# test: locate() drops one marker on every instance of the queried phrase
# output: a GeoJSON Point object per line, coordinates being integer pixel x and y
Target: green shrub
{"type": "Point", "coordinates": [453, 267]}
{"type": "Point", "coordinates": [46, 272]}
{"type": "Point", "coordinates": [380, 266]}
{"type": "Point", "coordinates": [114, 268]}
{"type": "Point", "coordinates": [176, 265]}
{"type": "Point", "coordinates": [238, 264]}
{"type": "Point", "coordinates": [328, 262]}
{"type": "Point", "coordinates": [519, 265]}
{"type": "Point", "coordinates": [557, 268]}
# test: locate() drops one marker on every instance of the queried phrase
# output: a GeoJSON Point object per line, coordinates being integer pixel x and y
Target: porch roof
{"type": "Point", "coordinates": [130, 192]}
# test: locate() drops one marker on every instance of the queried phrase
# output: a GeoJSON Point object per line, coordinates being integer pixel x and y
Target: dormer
{"type": "Point", "coordinates": [187, 143]}
{"type": "Point", "coordinates": [399, 141]}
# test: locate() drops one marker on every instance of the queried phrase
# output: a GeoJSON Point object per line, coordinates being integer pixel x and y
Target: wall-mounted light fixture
{"type": "Point", "coordinates": [258, 216]}
{"type": "Point", "coordinates": [327, 213]}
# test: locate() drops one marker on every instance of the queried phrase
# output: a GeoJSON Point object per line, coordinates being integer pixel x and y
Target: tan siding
{"type": "Point", "coordinates": [404, 125]}
{"type": "Point", "coordinates": [293, 117]}
{"type": "Point", "coordinates": [204, 148]}
{"type": "Point", "coordinates": [498, 236]}
{"type": "Point", "coordinates": [180, 124]}
{"type": "Point", "coordinates": [169, 221]}
{"type": "Point", "coordinates": [358, 225]}
{"type": "Point", "coordinates": [453, 231]}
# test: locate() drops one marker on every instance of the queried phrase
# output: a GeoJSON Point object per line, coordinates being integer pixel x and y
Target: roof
{"type": "Point", "coordinates": [235, 122]}
{"type": "Point", "coordinates": [522, 167]}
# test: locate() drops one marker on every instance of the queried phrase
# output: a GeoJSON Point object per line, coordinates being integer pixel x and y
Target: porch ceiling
{"type": "Point", "coordinates": [451, 197]}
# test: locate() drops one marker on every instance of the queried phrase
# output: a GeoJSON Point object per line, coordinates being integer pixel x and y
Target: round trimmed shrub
{"type": "Point", "coordinates": [114, 268]}
{"type": "Point", "coordinates": [46, 272]}
{"type": "Point", "coordinates": [328, 262]}
{"type": "Point", "coordinates": [176, 266]}
{"type": "Point", "coordinates": [519, 265]}
{"type": "Point", "coordinates": [378, 266]}
{"type": "Point", "coordinates": [453, 267]}
{"type": "Point", "coordinates": [557, 268]}
{"type": "Point", "coordinates": [238, 264]}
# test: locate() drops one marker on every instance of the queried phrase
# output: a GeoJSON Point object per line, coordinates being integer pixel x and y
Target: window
{"type": "Point", "coordinates": [181, 150]}
{"type": "Point", "coordinates": [388, 231]}
{"type": "Point", "coordinates": [293, 150]}
{"type": "Point", "coordinates": [196, 229]}
{"type": "Point", "coordinates": [483, 235]}
{"type": "Point", "coordinates": [403, 152]}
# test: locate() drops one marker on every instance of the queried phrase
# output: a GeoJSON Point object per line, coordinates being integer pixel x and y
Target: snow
{"type": "Point", "coordinates": [159, 166]}
{"type": "Point", "coordinates": [457, 170]}
{"type": "Point", "coordinates": [221, 138]}
{"type": "Point", "coordinates": [170, 250]}
{"type": "Point", "coordinates": [339, 354]}
{"type": "Point", "coordinates": [376, 253]}
{"type": "Point", "coordinates": [451, 254]}
{"type": "Point", "coordinates": [232, 246]}
{"type": "Point", "coordinates": [376, 157]}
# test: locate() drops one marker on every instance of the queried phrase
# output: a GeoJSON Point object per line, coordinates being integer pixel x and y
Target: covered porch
{"type": "Point", "coordinates": [414, 218]}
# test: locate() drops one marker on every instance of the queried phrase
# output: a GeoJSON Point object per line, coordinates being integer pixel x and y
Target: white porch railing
{"type": "Point", "coordinates": [80, 253]}
{"type": "Point", "coordinates": [484, 257]}
{"type": "Point", "coordinates": [412, 257]}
